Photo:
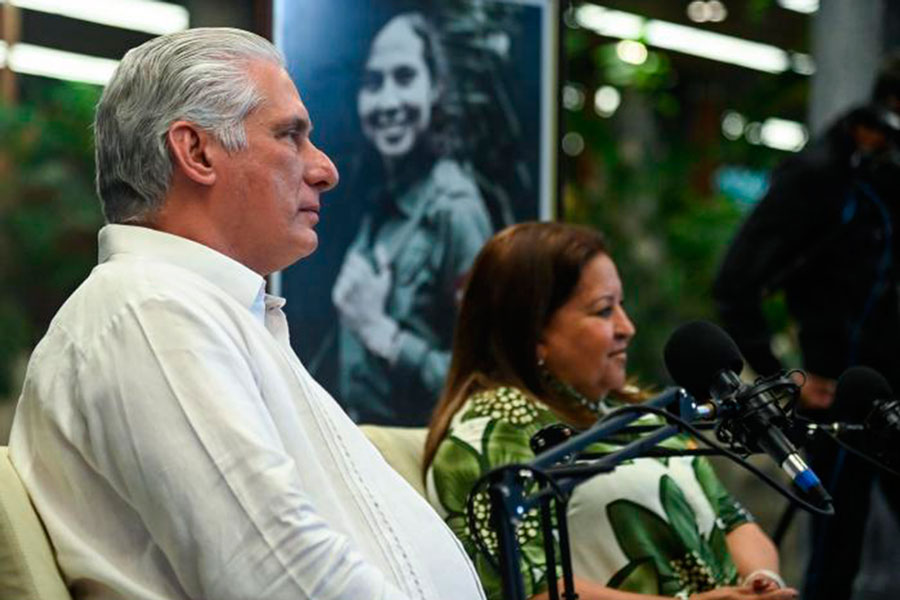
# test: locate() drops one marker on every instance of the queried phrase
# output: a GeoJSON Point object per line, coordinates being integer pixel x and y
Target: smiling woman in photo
{"type": "Point", "coordinates": [397, 288]}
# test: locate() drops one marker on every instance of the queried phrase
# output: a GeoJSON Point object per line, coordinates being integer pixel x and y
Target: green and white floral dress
{"type": "Point", "coordinates": [654, 525]}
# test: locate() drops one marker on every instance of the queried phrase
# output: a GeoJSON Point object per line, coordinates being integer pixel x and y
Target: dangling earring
{"type": "Point", "coordinates": [541, 362]}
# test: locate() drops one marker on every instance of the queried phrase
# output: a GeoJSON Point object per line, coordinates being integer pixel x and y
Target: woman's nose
{"type": "Point", "coordinates": [624, 327]}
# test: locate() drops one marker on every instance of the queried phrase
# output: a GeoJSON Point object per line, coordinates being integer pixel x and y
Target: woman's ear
{"type": "Point", "coordinates": [190, 148]}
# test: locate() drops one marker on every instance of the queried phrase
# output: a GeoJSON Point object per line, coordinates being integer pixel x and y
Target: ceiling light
{"type": "Point", "coordinates": [47, 62]}
{"type": "Point", "coordinates": [611, 23]}
{"type": "Point", "coordinates": [733, 125]}
{"type": "Point", "coordinates": [569, 18]}
{"type": "Point", "coordinates": [802, 63]}
{"type": "Point", "coordinates": [698, 11]}
{"type": "Point", "coordinates": [716, 46]}
{"type": "Point", "coordinates": [606, 100]}
{"type": "Point", "coordinates": [801, 6]}
{"type": "Point", "coordinates": [682, 38]}
{"type": "Point", "coordinates": [573, 143]}
{"type": "Point", "coordinates": [141, 15]}
{"type": "Point", "coordinates": [753, 133]}
{"type": "Point", "coordinates": [632, 52]}
{"type": "Point", "coordinates": [716, 10]}
{"type": "Point", "coordinates": [783, 135]}
{"type": "Point", "coordinates": [573, 97]}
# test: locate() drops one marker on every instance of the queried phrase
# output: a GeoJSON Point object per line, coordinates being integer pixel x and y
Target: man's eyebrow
{"type": "Point", "coordinates": [294, 125]}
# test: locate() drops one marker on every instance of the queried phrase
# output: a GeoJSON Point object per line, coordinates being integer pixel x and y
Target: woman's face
{"type": "Point", "coordinates": [585, 342]}
{"type": "Point", "coordinates": [397, 93]}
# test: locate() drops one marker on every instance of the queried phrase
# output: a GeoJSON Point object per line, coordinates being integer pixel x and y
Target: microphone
{"type": "Point", "coordinates": [859, 389]}
{"type": "Point", "coordinates": [704, 360]}
{"type": "Point", "coordinates": [871, 402]}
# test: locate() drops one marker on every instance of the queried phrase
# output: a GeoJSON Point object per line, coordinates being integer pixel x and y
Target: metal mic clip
{"type": "Point", "coordinates": [690, 410]}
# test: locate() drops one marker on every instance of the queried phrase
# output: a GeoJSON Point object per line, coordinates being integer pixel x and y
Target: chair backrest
{"type": "Point", "coordinates": [28, 570]}
{"type": "Point", "coordinates": [402, 448]}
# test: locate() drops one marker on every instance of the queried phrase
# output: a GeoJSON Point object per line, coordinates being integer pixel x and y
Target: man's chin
{"type": "Point", "coordinates": [305, 244]}
{"type": "Point", "coordinates": [309, 244]}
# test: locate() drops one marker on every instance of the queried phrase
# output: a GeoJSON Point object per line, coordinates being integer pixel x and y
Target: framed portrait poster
{"type": "Point", "coordinates": [440, 117]}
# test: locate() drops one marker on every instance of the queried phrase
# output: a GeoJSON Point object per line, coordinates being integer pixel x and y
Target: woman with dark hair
{"type": "Point", "coordinates": [396, 293]}
{"type": "Point", "coordinates": [542, 338]}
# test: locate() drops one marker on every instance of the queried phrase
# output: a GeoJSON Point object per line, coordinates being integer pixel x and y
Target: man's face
{"type": "Point", "coordinates": [397, 92]}
{"type": "Point", "coordinates": [270, 204]}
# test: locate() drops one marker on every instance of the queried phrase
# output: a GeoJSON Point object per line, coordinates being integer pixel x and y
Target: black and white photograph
{"type": "Point", "coordinates": [439, 117]}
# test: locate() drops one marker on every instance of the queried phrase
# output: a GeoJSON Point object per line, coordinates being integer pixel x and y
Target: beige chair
{"type": "Point", "coordinates": [28, 570]}
{"type": "Point", "coordinates": [402, 448]}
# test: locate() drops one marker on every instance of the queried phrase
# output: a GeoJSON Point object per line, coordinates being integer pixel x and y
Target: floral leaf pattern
{"type": "Point", "coordinates": [452, 484]}
{"type": "Point", "coordinates": [642, 535]}
{"type": "Point", "coordinates": [698, 570]}
{"type": "Point", "coordinates": [639, 576]}
{"type": "Point", "coordinates": [655, 525]}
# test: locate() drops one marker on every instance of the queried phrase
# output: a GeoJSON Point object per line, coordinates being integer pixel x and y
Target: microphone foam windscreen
{"type": "Point", "coordinates": [858, 387]}
{"type": "Point", "coordinates": [696, 352]}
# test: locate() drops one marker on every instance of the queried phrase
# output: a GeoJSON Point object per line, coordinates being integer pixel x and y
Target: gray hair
{"type": "Point", "coordinates": [199, 75]}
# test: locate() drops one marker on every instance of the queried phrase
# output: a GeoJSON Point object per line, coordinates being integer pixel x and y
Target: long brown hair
{"type": "Point", "coordinates": [519, 279]}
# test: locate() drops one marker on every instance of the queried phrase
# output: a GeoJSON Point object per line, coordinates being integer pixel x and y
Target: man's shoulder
{"type": "Point", "coordinates": [118, 289]}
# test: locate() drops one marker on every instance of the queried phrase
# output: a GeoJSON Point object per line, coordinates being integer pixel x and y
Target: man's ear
{"type": "Point", "coordinates": [190, 147]}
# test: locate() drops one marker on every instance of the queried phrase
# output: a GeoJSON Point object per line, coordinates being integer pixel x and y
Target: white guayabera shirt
{"type": "Point", "coordinates": [175, 447]}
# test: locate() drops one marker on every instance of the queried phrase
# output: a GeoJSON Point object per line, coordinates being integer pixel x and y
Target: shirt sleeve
{"type": "Point", "coordinates": [494, 431]}
{"type": "Point", "coordinates": [729, 512]}
{"type": "Point", "coordinates": [175, 422]}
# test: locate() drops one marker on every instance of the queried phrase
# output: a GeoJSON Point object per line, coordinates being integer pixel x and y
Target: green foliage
{"type": "Point", "coordinates": [49, 214]}
{"type": "Point", "coordinates": [645, 179]}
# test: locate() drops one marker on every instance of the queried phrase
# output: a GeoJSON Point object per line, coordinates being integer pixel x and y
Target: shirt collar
{"type": "Point", "coordinates": [238, 281]}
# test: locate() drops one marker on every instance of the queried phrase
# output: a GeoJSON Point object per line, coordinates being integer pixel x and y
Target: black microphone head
{"type": "Point", "coordinates": [857, 390]}
{"type": "Point", "coordinates": [697, 352]}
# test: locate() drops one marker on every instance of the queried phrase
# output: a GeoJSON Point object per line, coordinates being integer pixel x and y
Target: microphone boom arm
{"type": "Point", "coordinates": [510, 503]}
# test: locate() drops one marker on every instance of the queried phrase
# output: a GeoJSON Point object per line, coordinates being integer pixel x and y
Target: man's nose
{"type": "Point", "coordinates": [321, 172]}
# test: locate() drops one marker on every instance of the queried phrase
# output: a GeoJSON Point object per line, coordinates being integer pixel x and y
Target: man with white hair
{"type": "Point", "coordinates": [171, 441]}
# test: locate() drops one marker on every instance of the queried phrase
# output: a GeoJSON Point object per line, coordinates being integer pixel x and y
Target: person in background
{"type": "Point", "coordinates": [542, 338]}
{"type": "Point", "coordinates": [396, 293]}
{"type": "Point", "coordinates": [827, 234]}
{"type": "Point", "coordinates": [171, 441]}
